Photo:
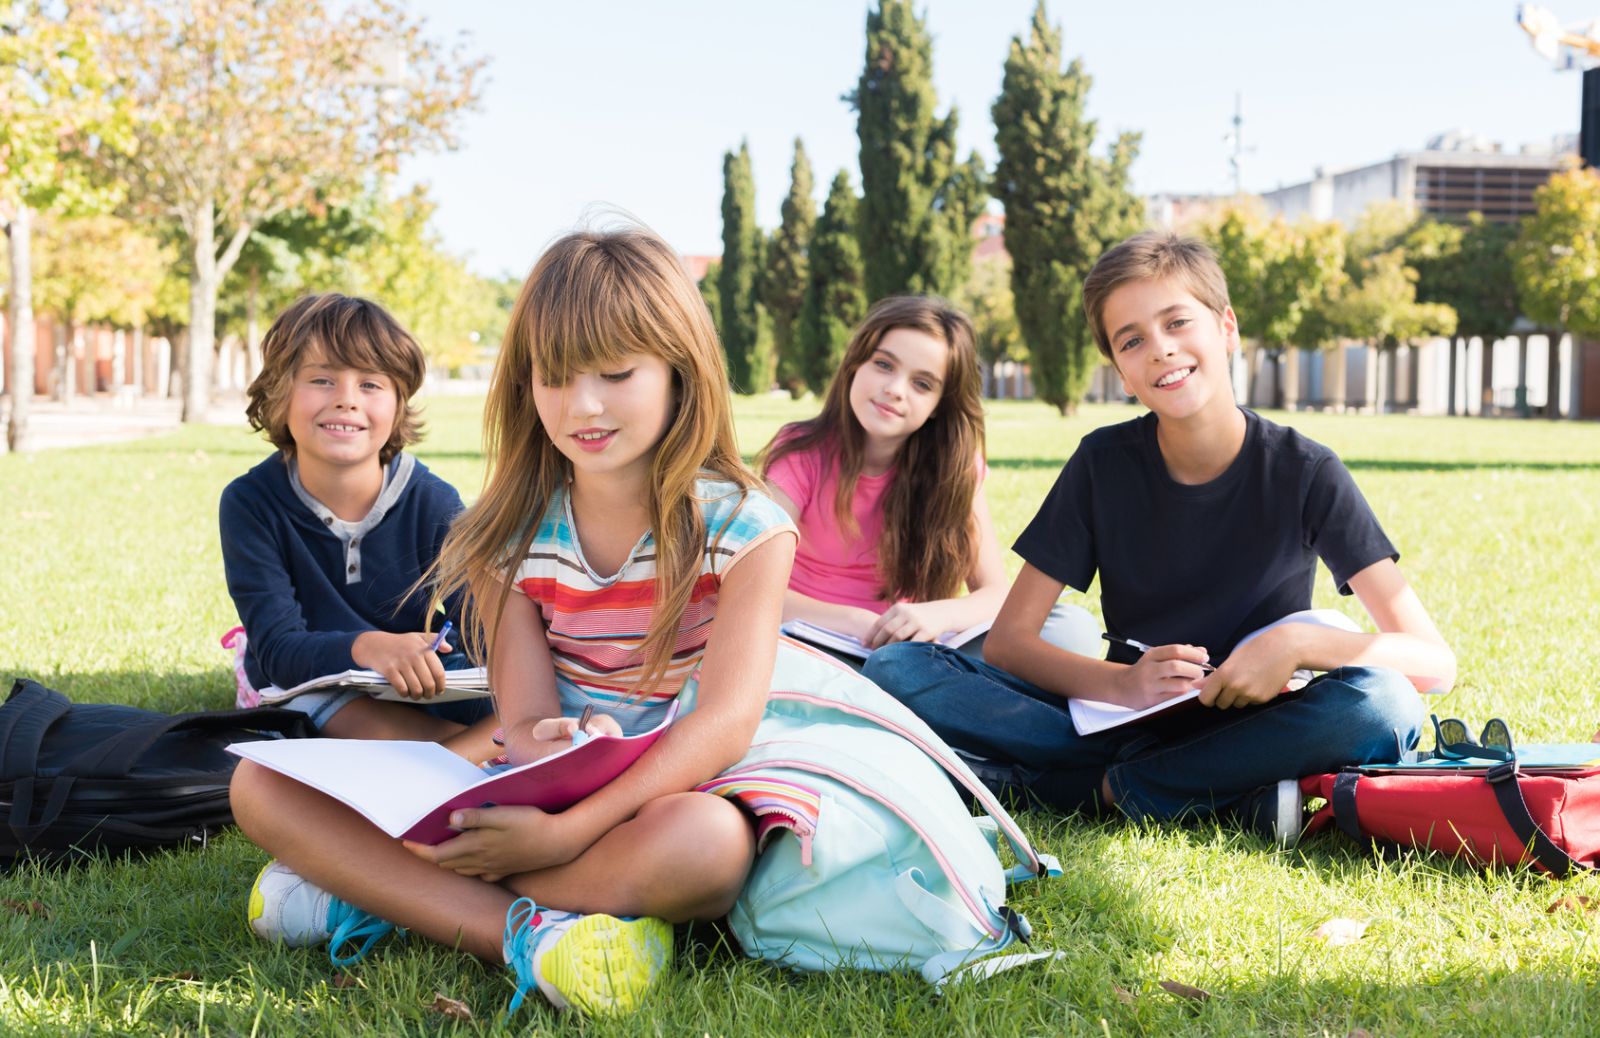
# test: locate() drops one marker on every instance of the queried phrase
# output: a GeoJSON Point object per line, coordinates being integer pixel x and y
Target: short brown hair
{"type": "Point", "coordinates": [351, 333]}
{"type": "Point", "coordinates": [1153, 256]}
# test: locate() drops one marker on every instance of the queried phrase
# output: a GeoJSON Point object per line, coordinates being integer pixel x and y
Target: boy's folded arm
{"type": "Point", "coordinates": [1407, 639]}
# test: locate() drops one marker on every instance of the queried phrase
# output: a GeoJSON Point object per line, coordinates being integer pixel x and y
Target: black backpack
{"type": "Point", "coordinates": [101, 778]}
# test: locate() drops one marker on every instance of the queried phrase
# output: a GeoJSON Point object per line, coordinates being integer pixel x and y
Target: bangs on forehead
{"type": "Point", "coordinates": [346, 343]}
{"type": "Point", "coordinates": [590, 323]}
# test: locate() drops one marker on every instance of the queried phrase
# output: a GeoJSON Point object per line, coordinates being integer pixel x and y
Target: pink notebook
{"type": "Point", "coordinates": [408, 789]}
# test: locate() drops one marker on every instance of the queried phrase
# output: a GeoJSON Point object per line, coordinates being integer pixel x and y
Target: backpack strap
{"type": "Point", "coordinates": [913, 729]}
{"type": "Point", "coordinates": [28, 713]}
{"type": "Point", "coordinates": [1344, 805]}
{"type": "Point", "coordinates": [22, 824]}
{"type": "Point", "coordinates": [1502, 778]}
{"type": "Point", "coordinates": [119, 754]}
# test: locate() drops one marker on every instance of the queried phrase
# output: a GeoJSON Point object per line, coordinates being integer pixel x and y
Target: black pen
{"type": "Point", "coordinates": [1142, 647]}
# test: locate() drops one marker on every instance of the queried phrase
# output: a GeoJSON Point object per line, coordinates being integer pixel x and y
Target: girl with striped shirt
{"type": "Point", "coordinates": [619, 548]}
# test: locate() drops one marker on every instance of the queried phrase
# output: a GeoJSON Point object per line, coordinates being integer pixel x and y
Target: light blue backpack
{"type": "Point", "coordinates": [869, 857]}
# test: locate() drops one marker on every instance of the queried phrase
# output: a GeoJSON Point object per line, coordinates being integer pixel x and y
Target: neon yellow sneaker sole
{"type": "Point", "coordinates": [603, 964]}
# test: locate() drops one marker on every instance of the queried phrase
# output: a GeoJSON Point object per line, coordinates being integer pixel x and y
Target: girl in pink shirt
{"type": "Point", "coordinates": [885, 484]}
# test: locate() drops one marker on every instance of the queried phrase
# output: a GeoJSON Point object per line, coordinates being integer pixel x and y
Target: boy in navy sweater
{"type": "Point", "coordinates": [323, 541]}
{"type": "Point", "coordinates": [1204, 523]}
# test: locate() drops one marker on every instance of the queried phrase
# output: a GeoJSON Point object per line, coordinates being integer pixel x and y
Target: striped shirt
{"type": "Point", "coordinates": [596, 625]}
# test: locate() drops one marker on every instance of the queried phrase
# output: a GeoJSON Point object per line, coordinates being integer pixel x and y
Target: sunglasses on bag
{"type": "Point", "coordinates": [1451, 739]}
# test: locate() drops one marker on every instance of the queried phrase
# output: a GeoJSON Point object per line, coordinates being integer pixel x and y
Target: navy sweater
{"type": "Point", "coordinates": [306, 584]}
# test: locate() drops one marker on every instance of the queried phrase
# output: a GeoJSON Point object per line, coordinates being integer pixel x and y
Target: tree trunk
{"type": "Point", "coordinates": [1335, 367]}
{"type": "Point", "coordinates": [65, 369]}
{"type": "Point", "coordinates": [202, 316]}
{"type": "Point", "coordinates": [1450, 379]}
{"type": "Point", "coordinates": [141, 362]}
{"type": "Point", "coordinates": [1552, 376]}
{"type": "Point", "coordinates": [1486, 377]}
{"type": "Point", "coordinates": [252, 329]}
{"type": "Point", "coordinates": [1290, 391]}
{"type": "Point", "coordinates": [1522, 376]}
{"type": "Point", "coordinates": [19, 316]}
{"type": "Point", "coordinates": [177, 364]}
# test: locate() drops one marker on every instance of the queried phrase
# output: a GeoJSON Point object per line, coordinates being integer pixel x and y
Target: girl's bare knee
{"type": "Point", "coordinates": [250, 794]}
{"type": "Point", "coordinates": [707, 848]}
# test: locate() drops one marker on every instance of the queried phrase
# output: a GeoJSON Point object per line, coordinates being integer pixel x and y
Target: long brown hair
{"type": "Point", "coordinates": [593, 298]}
{"type": "Point", "coordinates": [929, 543]}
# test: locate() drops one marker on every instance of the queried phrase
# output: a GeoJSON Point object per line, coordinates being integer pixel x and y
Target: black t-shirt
{"type": "Point", "coordinates": [1203, 565]}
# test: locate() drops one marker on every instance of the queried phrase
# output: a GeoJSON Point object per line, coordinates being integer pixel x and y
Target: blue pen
{"type": "Point", "coordinates": [443, 632]}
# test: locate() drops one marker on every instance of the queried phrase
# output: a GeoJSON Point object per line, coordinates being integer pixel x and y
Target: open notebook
{"type": "Point", "coordinates": [827, 638]}
{"type": "Point", "coordinates": [468, 683]}
{"type": "Point", "coordinates": [408, 789]}
{"type": "Point", "coordinates": [1091, 715]}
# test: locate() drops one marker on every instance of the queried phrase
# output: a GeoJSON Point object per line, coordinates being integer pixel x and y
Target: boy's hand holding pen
{"type": "Point", "coordinates": [1142, 648]}
{"type": "Point", "coordinates": [1161, 672]}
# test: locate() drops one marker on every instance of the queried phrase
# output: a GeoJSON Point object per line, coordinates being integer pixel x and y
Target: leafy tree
{"type": "Point", "coordinates": [1064, 206]}
{"type": "Point", "coordinates": [278, 257]}
{"type": "Point", "coordinates": [1276, 272]}
{"type": "Point", "coordinates": [749, 365]}
{"type": "Point", "coordinates": [243, 110]}
{"type": "Point", "coordinates": [1556, 257]}
{"type": "Point", "coordinates": [784, 287]}
{"type": "Point", "coordinates": [95, 268]}
{"type": "Point", "coordinates": [834, 299]}
{"type": "Point", "coordinates": [918, 202]}
{"type": "Point", "coordinates": [987, 299]}
{"type": "Point", "coordinates": [403, 265]}
{"type": "Point", "coordinates": [54, 111]}
{"type": "Point", "coordinates": [1467, 266]}
{"type": "Point", "coordinates": [1377, 302]}
{"type": "Point", "coordinates": [710, 293]}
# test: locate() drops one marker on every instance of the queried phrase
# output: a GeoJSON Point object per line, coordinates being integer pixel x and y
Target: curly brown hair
{"type": "Point", "coordinates": [348, 332]}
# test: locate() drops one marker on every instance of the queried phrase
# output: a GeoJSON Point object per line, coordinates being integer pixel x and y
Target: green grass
{"type": "Point", "coordinates": [113, 591]}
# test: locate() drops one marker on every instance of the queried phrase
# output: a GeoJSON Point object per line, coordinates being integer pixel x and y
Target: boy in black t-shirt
{"type": "Point", "coordinates": [1205, 523]}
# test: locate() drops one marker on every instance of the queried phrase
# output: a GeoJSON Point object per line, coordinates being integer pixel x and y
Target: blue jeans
{"type": "Point", "coordinates": [1193, 761]}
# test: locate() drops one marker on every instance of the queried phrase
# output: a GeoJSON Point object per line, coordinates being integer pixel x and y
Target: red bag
{"type": "Point", "coordinates": [1500, 815]}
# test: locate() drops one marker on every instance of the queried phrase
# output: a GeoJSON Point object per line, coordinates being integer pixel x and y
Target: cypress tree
{"type": "Point", "coordinates": [712, 294]}
{"type": "Point", "coordinates": [784, 287]}
{"type": "Point", "coordinates": [834, 298]}
{"type": "Point", "coordinates": [1064, 206]}
{"type": "Point", "coordinates": [749, 367]}
{"type": "Point", "coordinates": [918, 202]}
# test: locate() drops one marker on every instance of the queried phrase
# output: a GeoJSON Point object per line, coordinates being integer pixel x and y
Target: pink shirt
{"type": "Point", "coordinates": [828, 564]}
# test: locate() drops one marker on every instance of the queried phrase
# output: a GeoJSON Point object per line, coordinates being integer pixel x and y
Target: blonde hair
{"type": "Point", "coordinates": [593, 298]}
{"type": "Point", "coordinates": [349, 332]}
{"type": "Point", "coordinates": [929, 542]}
{"type": "Point", "coordinates": [1153, 256]}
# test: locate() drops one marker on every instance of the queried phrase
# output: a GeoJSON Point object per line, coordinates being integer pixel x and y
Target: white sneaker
{"type": "Point", "coordinates": [594, 963]}
{"type": "Point", "coordinates": [285, 907]}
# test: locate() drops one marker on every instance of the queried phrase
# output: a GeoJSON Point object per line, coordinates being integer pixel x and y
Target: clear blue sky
{"type": "Point", "coordinates": [631, 103]}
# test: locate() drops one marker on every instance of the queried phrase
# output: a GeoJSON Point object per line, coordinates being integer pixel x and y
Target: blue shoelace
{"type": "Point", "coordinates": [348, 923]}
{"type": "Point", "coordinates": [522, 925]}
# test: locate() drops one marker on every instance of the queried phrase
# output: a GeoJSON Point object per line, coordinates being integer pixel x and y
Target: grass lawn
{"type": "Point", "coordinates": [113, 591]}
